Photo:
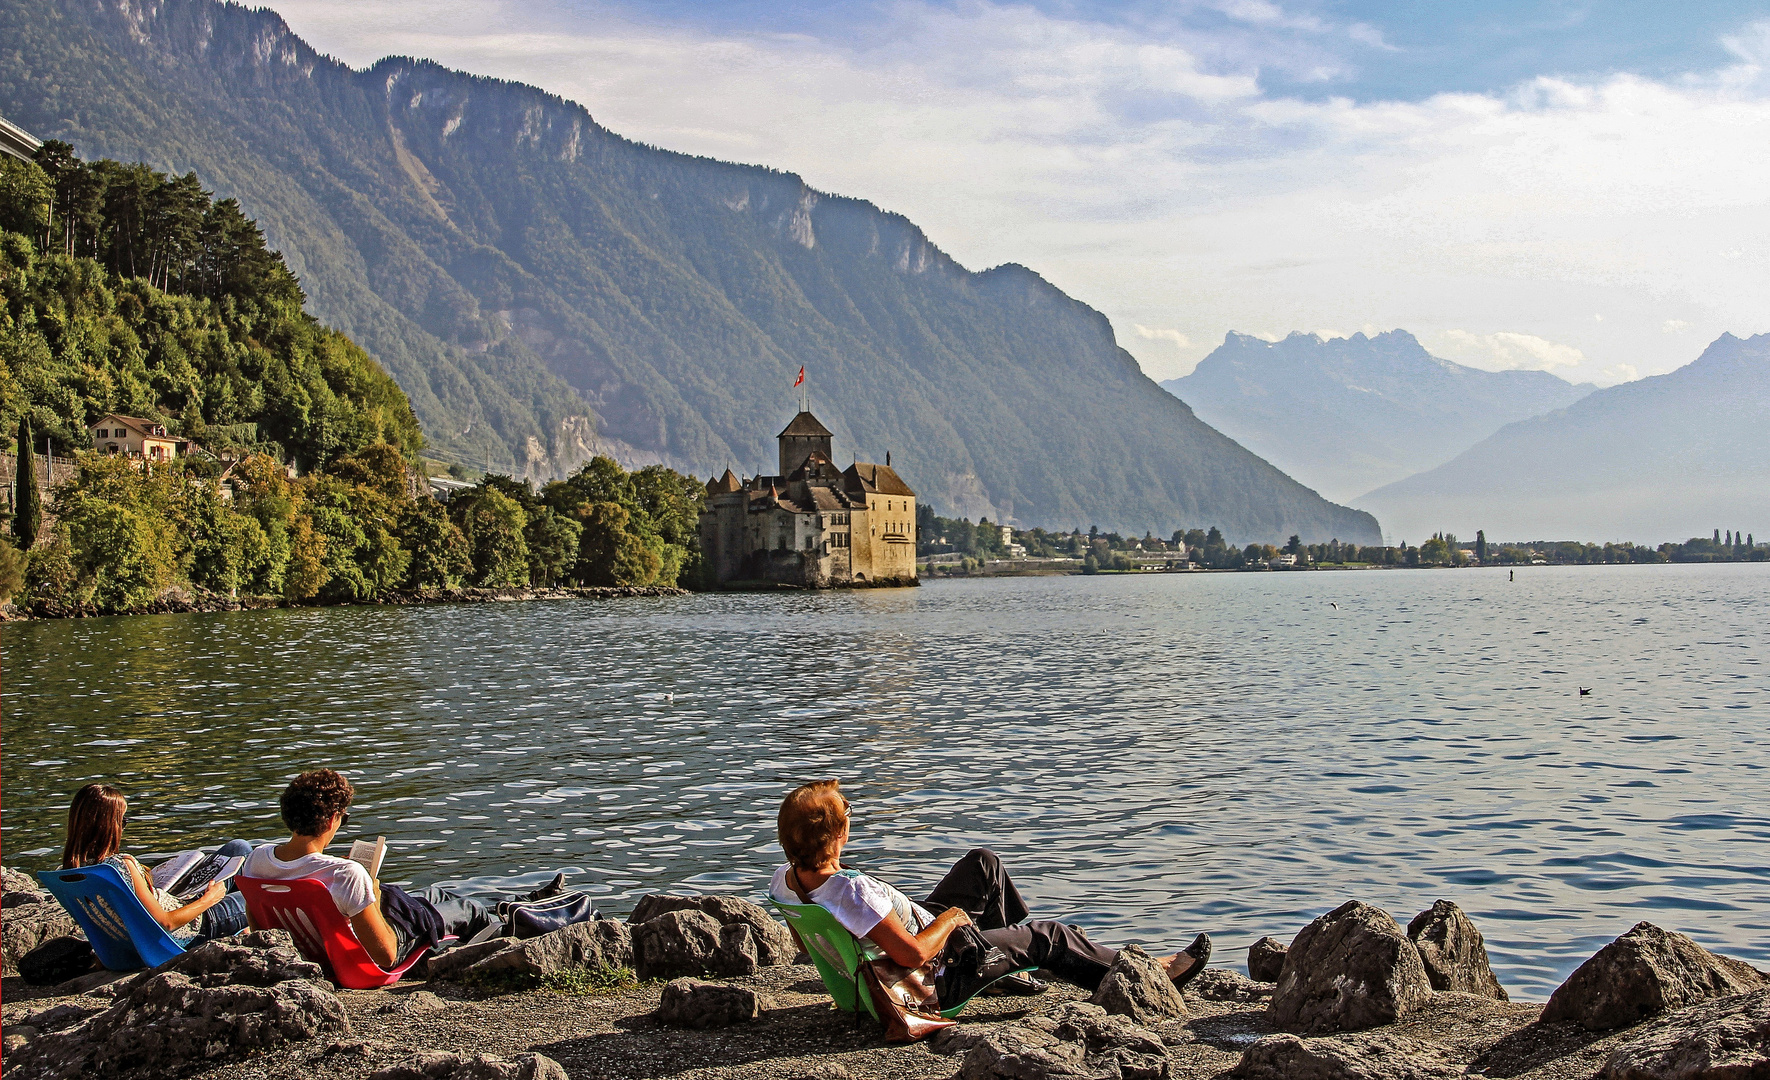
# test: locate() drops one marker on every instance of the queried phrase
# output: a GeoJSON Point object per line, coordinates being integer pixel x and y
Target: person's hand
{"type": "Point", "coordinates": [213, 894]}
{"type": "Point", "coordinates": [960, 917]}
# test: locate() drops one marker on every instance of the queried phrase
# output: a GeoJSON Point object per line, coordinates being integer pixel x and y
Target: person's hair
{"type": "Point", "coordinates": [811, 821]}
{"type": "Point", "coordinates": [95, 826]}
{"type": "Point", "coordinates": [313, 799]}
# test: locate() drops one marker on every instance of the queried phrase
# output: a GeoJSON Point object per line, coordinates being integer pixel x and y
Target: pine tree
{"type": "Point", "coordinates": [28, 512]}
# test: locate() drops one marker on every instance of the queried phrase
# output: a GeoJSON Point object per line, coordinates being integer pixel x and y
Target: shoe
{"type": "Point", "coordinates": [1017, 985]}
{"type": "Point", "coordinates": [551, 889]}
{"type": "Point", "coordinates": [1200, 951]}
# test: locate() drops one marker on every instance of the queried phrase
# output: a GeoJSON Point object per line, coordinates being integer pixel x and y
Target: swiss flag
{"type": "Point", "coordinates": [801, 377]}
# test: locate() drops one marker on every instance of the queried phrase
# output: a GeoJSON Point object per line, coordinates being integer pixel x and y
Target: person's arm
{"type": "Point", "coordinates": [914, 951]}
{"type": "Point", "coordinates": [178, 916]}
{"type": "Point", "coordinates": [373, 933]}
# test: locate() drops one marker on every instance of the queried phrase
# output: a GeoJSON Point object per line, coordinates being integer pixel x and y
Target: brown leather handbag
{"type": "Point", "coordinates": [904, 998]}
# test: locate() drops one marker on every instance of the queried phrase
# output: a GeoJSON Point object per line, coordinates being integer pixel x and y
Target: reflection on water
{"type": "Point", "coordinates": [1154, 755]}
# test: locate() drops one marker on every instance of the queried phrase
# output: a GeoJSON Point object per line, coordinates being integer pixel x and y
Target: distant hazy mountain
{"type": "Point", "coordinates": [1346, 415]}
{"type": "Point", "coordinates": [543, 288]}
{"type": "Point", "coordinates": [1665, 458]}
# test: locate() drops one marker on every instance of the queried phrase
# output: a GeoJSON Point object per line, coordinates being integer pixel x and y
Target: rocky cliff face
{"type": "Point", "coordinates": [543, 288]}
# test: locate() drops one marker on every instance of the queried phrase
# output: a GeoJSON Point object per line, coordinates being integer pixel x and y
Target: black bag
{"type": "Point", "coordinates": [57, 960]}
{"type": "Point", "coordinates": [532, 918]}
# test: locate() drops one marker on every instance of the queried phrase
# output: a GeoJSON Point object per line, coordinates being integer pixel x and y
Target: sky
{"type": "Point", "coordinates": [1582, 188]}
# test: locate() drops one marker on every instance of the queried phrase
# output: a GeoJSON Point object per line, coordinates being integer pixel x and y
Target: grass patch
{"type": "Point", "coordinates": [590, 981]}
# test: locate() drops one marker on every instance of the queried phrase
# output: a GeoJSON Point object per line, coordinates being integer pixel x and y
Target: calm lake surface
{"type": "Point", "coordinates": [1154, 755]}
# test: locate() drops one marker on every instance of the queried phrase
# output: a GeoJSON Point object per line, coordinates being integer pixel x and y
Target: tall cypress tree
{"type": "Point", "coordinates": [28, 508]}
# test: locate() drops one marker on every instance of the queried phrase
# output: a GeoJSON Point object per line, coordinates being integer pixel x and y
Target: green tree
{"type": "Point", "coordinates": [28, 505]}
{"type": "Point", "coordinates": [12, 570]}
{"type": "Point", "coordinates": [493, 525]}
{"type": "Point", "coordinates": [608, 554]}
{"type": "Point", "coordinates": [552, 540]}
{"type": "Point", "coordinates": [440, 557]}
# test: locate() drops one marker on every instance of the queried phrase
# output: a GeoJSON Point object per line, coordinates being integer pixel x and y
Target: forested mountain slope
{"type": "Point", "coordinates": [1663, 458]}
{"type": "Point", "coordinates": [542, 288]}
{"type": "Point", "coordinates": [1345, 415]}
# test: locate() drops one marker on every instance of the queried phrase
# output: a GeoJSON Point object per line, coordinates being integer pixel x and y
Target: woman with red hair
{"type": "Point", "coordinates": [976, 892]}
{"type": "Point", "coordinates": [95, 838]}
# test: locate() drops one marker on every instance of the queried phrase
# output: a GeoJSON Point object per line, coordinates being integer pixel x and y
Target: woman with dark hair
{"type": "Point", "coordinates": [95, 838]}
{"type": "Point", "coordinates": [977, 891]}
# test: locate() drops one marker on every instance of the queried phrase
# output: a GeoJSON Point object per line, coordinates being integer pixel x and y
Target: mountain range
{"type": "Point", "coordinates": [1346, 415]}
{"type": "Point", "coordinates": [1662, 458]}
{"type": "Point", "coordinates": [544, 289]}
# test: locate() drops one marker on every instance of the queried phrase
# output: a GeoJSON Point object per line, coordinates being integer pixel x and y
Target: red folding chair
{"type": "Point", "coordinates": [305, 909]}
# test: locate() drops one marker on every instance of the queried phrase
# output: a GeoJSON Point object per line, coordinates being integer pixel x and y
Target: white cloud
{"type": "Point", "coordinates": [1673, 326]}
{"type": "Point", "coordinates": [1507, 351]}
{"type": "Point", "coordinates": [1170, 192]}
{"type": "Point", "coordinates": [1156, 333]}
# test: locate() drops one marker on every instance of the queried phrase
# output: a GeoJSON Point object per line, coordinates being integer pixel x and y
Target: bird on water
{"type": "Point", "coordinates": [1585, 691]}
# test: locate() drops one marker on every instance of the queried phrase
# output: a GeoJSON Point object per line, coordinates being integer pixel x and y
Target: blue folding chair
{"type": "Point", "coordinates": [121, 931]}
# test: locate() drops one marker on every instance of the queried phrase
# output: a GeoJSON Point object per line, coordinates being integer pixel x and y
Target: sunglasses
{"type": "Point", "coordinates": [344, 819]}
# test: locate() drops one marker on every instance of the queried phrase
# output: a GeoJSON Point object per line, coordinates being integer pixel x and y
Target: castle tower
{"type": "Point", "coordinates": [799, 438]}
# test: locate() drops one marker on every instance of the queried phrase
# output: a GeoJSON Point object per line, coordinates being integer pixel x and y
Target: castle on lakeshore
{"type": "Point", "coordinates": [812, 524]}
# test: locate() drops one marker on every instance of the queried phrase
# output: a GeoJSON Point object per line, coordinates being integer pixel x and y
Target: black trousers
{"type": "Point", "coordinates": [979, 885]}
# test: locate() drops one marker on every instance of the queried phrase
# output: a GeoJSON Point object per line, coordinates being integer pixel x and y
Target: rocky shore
{"type": "Point", "coordinates": [185, 601]}
{"type": "Point", "coordinates": [714, 992]}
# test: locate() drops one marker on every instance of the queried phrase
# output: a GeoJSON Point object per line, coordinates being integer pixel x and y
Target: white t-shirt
{"type": "Point", "coordinates": [347, 881]}
{"type": "Point", "coordinates": [858, 902]}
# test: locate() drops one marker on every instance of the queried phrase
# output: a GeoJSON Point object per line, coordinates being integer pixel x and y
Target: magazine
{"type": "Point", "coordinates": [186, 874]}
{"type": "Point", "coordinates": [369, 853]}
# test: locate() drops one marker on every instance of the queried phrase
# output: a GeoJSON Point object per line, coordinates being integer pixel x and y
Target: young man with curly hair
{"type": "Point", "coordinates": [388, 921]}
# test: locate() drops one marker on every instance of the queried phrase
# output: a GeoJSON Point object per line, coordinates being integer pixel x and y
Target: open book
{"type": "Point", "coordinates": [188, 873]}
{"type": "Point", "coordinates": [369, 853]}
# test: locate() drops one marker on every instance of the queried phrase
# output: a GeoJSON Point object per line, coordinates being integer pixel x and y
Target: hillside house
{"type": "Point", "coordinates": [133, 437]}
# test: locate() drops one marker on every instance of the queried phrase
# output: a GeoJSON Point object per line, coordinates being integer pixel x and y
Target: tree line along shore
{"type": "Point", "coordinates": [128, 293]}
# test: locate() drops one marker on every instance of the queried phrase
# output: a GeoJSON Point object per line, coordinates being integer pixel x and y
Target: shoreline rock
{"type": "Point", "coordinates": [1646, 972]}
{"type": "Point", "coordinates": [181, 601]}
{"type": "Point", "coordinates": [1350, 969]}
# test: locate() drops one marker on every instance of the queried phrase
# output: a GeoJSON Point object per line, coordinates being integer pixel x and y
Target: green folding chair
{"type": "Point", "coordinates": [838, 953]}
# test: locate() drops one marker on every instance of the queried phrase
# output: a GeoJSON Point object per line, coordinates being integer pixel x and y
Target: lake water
{"type": "Point", "coordinates": [1154, 755]}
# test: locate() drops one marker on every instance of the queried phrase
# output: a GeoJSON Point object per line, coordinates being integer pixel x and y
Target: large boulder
{"type": "Point", "coordinates": [1453, 952]}
{"type": "Point", "coordinates": [1074, 1042]}
{"type": "Point", "coordinates": [1221, 984]}
{"type": "Point", "coordinates": [774, 942]}
{"type": "Point", "coordinates": [29, 923]}
{"type": "Point", "coordinates": [57, 960]}
{"type": "Point", "coordinates": [441, 1065]}
{"type": "Point", "coordinates": [693, 1004]}
{"type": "Point", "coordinates": [1266, 960]}
{"type": "Point", "coordinates": [1645, 972]}
{"type": "Point", "coordinates": [1352, 968]}
{"type": "Point", "coordinates": [599, 943]}
{"type": "Point", "coordinates": [1136, 986]}
{"type": "Point", "coordinates": [1370, 1056]}
{"type": "Point", "coordinates": [1723, 1039]}
{"type": "Point", "coordinates": [689, 942]}
{"type": "Point", "coordinates": [218, 1001]}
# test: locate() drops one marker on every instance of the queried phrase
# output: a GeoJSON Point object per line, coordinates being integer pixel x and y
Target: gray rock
{"type": "Point", "coordinates": [1372, 1056]}
{"type": "Point", "coordinates": [689, 942]}
{"type": "Point", "coordinates": [1221, 984]}
{"type": "Point", "coordinates": [1136, 986]}
{"type": "Point", "coordinates": [14, 881]}
{"type": "Point", "coordinates": [1352, 968]}
{"type": "Point", "coordinates": [25, 898]}
{"type": "Point", "coordinates": [452, 962]}
{"type": "Point", "coordinates": [960, 1038]}
{"type": "Point", "coordinates": [773, 941]}
{"type": "Point", "coordinates": [1724, 1039]}
{"type": "Point", "coordinates": [1645, 972]}
{"type": "Point", "coordinates": [25, 927]}
{"type": "Point", "coordinates": [173, 1023]}
{"type": "Point", "coordinates": [439, 1065]}
{"type": "Point", "coordinates": [1021, 1052]}
{"type": "Point", "coordinates": [257, 958]}
{"type": "Point", "coordinates": [1266, 960]}
{"type": "Point", "coordinates": [1109, 1045]}
{"type": "Point", "coordinates": [48, 1017]}
{"type": "Point", "coordinates": [602, 943]}
{"type": "Point", "coordinates": [690, 1003]}
{"type": "Point", "coordinates": [1453, 951]}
